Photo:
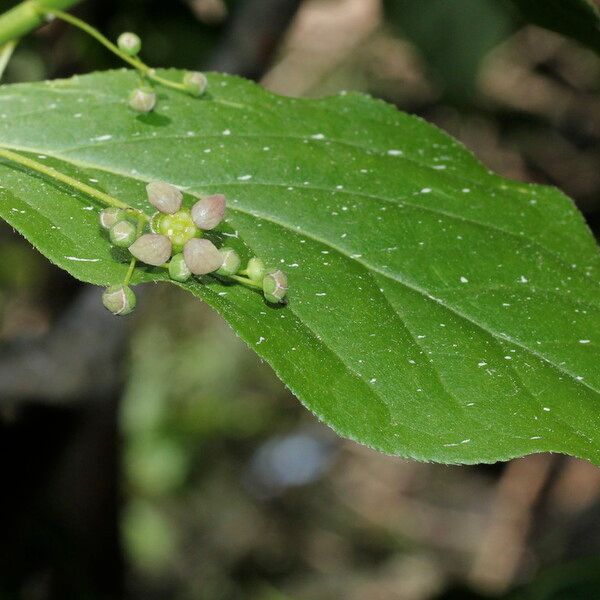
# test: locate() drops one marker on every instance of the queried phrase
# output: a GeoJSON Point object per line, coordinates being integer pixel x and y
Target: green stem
{"type": "Point", "coordinates": [243, 280]}
{"type": "Point", "coordinates": [135, 62]}
{"type": "Point", "coordinates": [133, 262]}
{"type": "Point", "coordinates": [6, 52]}
{"type": "Point", "coordinates": [246, 282]}
{"type": "Point", "coordinates": [25, 17]}
{"type": "Point", "coordinates": [78, 185]}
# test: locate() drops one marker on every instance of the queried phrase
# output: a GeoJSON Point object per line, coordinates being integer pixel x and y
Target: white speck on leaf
{"type": "Point", "coordinates": [76, 259]}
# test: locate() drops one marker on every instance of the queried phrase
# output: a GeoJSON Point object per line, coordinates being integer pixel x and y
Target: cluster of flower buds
{"type": "Point", "coordinates": [143, 98]}
{"type": "Point", "coordinates": [176, 241]}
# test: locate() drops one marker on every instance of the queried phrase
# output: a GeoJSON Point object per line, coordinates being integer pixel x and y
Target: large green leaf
{"type": "Point", "coordinates": [436, 310]}
{"type": "Point", "coordinates": [579, 19]}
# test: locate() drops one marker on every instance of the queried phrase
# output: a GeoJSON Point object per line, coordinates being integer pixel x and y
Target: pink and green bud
{"type": "Point", "coordinates": [152, 249]}
{"type": "Point", "coordinates": [275, 286]}
{"type": "Point", "coordinates": [119, 299]}
{"type": "Point", "coordinates": [195, 83]}
{"type": "Point", "coordinates": [231, 261]}
{"type": "Point", "coordinates": [256, 270]}
{"type": "Point", "coordinates": [209, 212]}
{"type": "Point", "coordinates": [142, 100]}
{"type": "Point", "coordinates": [178, 270]}
{"type": "Point", "coordinates": [122, 234]}
{"type": "Point", "coordinates": [164, 197]}
{"type": "Point", "coordinates": [129, 43]}
{"type": "Point", "coordinates": [202, 257]}
{"type": "Point", "coordinates": [111, 216]}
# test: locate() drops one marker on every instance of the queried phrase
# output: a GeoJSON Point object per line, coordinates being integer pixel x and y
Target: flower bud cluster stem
{"type": "Point", "coordinates": [75, 183]}
{"type": "Point", "coordinates": [134, 61]}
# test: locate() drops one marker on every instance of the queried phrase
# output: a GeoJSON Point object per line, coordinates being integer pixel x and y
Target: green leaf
{"type": "Point", "coordinates": [437, 311]}
{"type": "Point", "coordinates": [578, 19]}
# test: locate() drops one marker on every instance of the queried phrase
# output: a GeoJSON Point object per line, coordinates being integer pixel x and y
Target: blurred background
{"type": "Point", "coordinates": [124, 473]}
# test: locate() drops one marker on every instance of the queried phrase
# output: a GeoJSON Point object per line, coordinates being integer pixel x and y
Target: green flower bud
{"type": "Point", "coordinates": [129, 43]}
{"type": "Point", "coordinates": [256, 269]}
{"type": "Point", "coordinates": [111, 216]}
{"type": "Point", "coordinates": [122, 234]}
{"type": "Point", "coordinates": [209, 212]}
{"type": "Point", "coordinates": [152, 248]}
{"type": "Point", "coordinates": [178, 270]}
{"type": "Point", "coordinates": [201, 256]}
{"type": "Point", "coordinates": [195, 83]}
{"type": "Point", "coordinates": [142, 100]}
{"type": "Point", "coordinates": [275, 286]}
{"type": "Point", "coordinates": [164, 196]}
{"type": "Point", "coordinates": [231, 261]}
{"type": "Point", "coordinates": [119, 299]}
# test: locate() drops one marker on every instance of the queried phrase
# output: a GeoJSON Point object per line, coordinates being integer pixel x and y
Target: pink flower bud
{"type": "Point", "coordinates": [208, 212]}
{"type": "Point", "coordinates": [164, 197]}
{"type": "Point", "coordinates": [152, 248]}
{"type": "Point", "coordinates": [201, 256]}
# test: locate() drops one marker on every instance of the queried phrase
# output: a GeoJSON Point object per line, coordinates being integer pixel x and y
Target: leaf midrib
{"type": "Point", "coordinates": [409, 285]}
{"type": "Point", "coordinates": [437, 211]}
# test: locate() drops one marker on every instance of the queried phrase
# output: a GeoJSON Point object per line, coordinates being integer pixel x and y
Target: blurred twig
{"type": "Point", "coordinates": [502, 545]}
{"type": "Point", "coordinates": [253, 34]}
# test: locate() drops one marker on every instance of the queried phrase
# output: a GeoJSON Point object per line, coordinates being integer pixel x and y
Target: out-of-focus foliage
{"type": "Point", "coordinates": [453, 37]}
{"type": "Point", "coordinates": [578, 580]}
{"type": "Point", "coordinates": [579, 19]}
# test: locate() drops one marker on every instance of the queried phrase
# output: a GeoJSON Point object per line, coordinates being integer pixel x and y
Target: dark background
{"type": "Point", "coordinates": [155, 457]}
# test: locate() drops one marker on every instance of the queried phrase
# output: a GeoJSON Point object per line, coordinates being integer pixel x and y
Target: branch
{"type": "Point", "coordinates": [26, 17]}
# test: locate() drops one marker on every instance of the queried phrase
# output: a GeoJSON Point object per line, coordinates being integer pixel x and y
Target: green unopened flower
{"type": "Point", "coordinates": [178, 270]}
{"type": "Point", "coordinates": [123, 234]}
{"type": "Point", "coordinates": [275, 286]}
{"type": "Point", "coordinates": [179, 228]}
{"type": "Point", "coordinates": [142, 100]}
{"type": "Point", "coordinates": [129, 43]}
{"type": "Point", "coordinates": [164, 197]}
{"type": "Point", "coordinates": [202, 257]}
{"type": "Point", "coordinates": [256, 269]}
{"type": "Point", "coordinates": [231, 261]}
{"type": "Point", "coordinates": [209, 212]}
{"type": "Point", "coordinates": [111, 216]}
{"type": "Point", "coordinates": [119, 299]}
{"type": "Point", "coordinates": [195, 83]}
{"type": "Point", "coordinates": [152, 248]}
